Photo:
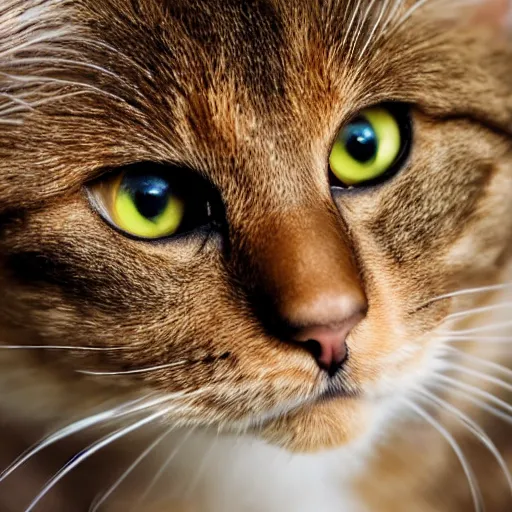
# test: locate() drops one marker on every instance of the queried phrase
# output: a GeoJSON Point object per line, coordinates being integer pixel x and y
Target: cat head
{"type": "Point", "coordinates": [251, 203]}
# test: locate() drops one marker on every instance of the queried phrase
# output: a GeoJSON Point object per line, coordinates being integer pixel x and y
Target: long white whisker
{"type": "Point", "coordinates": [475, 373]}
{"type": "Point", "coordinates": [376, 25]}
{"type": "Point", "coordinates": [479, 339]}
{"type": "Point", "coordinates": [414, 8]}
{"type": "Point", "coordinates": [492, 327]}
{"type": "Point", "coordinates": [472, 481]}
{"type": "Point", "coordinates": [46, 101]}
{"type": "Point", "coordinates": [477, 311]}
{"type": "Point", "coordinates": [470, 291]}
{"type": "Point", "coordinates": [123, 410]}
{"type": "Point", "coordinates": [138, 370]}
{"type": "Point", "coordinates": [487, 364]}
{"type": "Point", "coordinates": [132, 466]}
{"type": "Point", "coordinates": [200, 470]}
{"type": "Point", "coordinates": [350, 26]}
{"type": "Point", "coordinates": [358, 31]}
{"type": "Point", "coordinates": [474, 428]}
{"type": "Point", "coordinates": [13, 122]}
{"type": "Point", "coordinates": [60, 42]}
{"type": "Point", "coordinates": [112, 49]}
{"type": "Point", "coordinates": [47, 80]}
{"type": "Point", "coordinates": [48, 36]}
{"type": "Point", "coordinates": [469, 396]}
{"type": "Point", "coordinates": [56, 60]}
{"type": "Point", "coordinates": [164, 466]}
{"type": "Point", "coordinates": [475, 390]}
{"type": "Point", "coordinates": [61, 347]}
{"type": "Point", "coordinates": [16, 100]}
{"type": "Point", "coordinates": [91, 450]}
{"type": "Point", "coordinates": [410, 12]}
{"type": "Point", "coordinates": [71, 429]}
{"type": "Point", "coordinates": [391, 16]}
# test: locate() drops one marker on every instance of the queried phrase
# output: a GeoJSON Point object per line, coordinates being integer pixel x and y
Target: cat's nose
{"type": "Point", "coordinates": [309, 285]}
{"type": "Point", "coordinates": [327, 343]}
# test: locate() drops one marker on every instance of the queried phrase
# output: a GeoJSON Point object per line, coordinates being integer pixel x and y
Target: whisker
{"type": "Point", "coordinates": [16, 100]}
{"type": "Point", "coordinates": [376, 25]}
{"type": "Point", "coordinates": [468, 470]}
{"type": "Point", "coordinates": [100, 44]}
{"type": "Point", "coordinates": [53, 98]}
{"type": "Point", "coordinates": [138, 370]}
{"type": "Point", "coordinates": [359, 32]}
{"type": "Point", "coordinates": [56, 60]}
{"type": "Point", "coordinates": [118, 412]}
{"type": "Point", "coordinates": [475, 390]}
{"type": "Point", "coordinates": [350, 26]}
{"type": "Point", "coordinates": [200, 470]}
{"type": "Point", "coordinates": [414, 8]}
{"type": "Point", "coordinates": [132, 466]}
{"type": "Point", "coordinates": [391, 16]}
{"type": "Point", "coordinates": [91, 450]}
{"type": "Point", "coordinates": [61, 347]}
{"type": "Point", "coordinates": [60, 41]}
{"type": "Point", "coordinates": [19, 109]}
{"type": "Point", "coordinates": [467, 395]}
{"type": "Point", "coordinates": [409, 13]}
{"type": "Point", "coordinates": [475, 373]}
{"type": "Point", "coordinates": [474, 428]}
{"type": "Point", "coordinates": [13, 122]}
{"type": "Point", "coordinates": [33, 80]}
{"type": "Point", "coordinates": [71, 429]}
{"type": "Point", "coordinates": [164, 466]}
{"type": "Point", "coordinates": [487, 364]}
{"type": "Point", "coordinates": [485, 339]}
{"type": "Point", "coordinates": [475, 330]}
{"type": "Point", "coordinates": [48, 36]}
{"type": "Point", "coordinates": [477, 311]}
{"type": "Point", "coordinates": [470, 291]}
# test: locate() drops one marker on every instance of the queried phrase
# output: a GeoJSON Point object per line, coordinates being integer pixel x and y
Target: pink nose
{"type": "Point", "coordinates": [328, 342]}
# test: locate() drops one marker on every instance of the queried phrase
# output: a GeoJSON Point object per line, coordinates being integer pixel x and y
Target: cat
{"type": "Point", "coordinates": [255, 255]}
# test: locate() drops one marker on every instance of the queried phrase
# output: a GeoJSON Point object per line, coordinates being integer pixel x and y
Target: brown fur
{"type": "Point", "coordinates": [249, 95]}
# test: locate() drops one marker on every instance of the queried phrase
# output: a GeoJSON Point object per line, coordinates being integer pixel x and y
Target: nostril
{"type": "Point", "coordinates": [314, 348]}
{"type": "Point", "coordinates": [327, 343]}
{"type": "Point", "coordinates": [329, 357]}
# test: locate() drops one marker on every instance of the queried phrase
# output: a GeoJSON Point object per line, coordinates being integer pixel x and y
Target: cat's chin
{"type": "Point", "coordinates": [321, 426]}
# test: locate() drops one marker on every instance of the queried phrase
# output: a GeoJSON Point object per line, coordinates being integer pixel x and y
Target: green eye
{"type": "Point", "coordinates": [148, 201]}
{"type": "Point", "coordinates": [145, 206]}
{"type": "Point", "coordinates": [367, 147]}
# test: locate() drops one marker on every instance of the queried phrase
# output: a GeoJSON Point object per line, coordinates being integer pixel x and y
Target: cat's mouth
{"type": "Point", "coordinates": [335, 389]}
{"type": "Point", "coordinates": [331, 417]}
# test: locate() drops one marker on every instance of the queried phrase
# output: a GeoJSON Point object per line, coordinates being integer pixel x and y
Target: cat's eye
{"type": "Point", "coordinates": [369, 146]}
{"type": "Point", "coordinates": [150, 201]}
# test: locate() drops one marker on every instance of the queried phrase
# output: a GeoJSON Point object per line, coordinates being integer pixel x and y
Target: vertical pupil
{"type": "Point", "coordinates": [150, 194]}
{"type": "Point", "coordinates": [361, 141]}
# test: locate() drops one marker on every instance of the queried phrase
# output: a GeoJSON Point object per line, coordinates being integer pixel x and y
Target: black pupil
{"type": "Point", "coordinates": [150, 194]}
{"type": "Point", "coordinates": [360, 140]}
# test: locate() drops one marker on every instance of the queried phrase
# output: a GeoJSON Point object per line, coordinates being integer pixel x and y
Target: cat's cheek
{"type": "Point", "coordinates": [322, 426]}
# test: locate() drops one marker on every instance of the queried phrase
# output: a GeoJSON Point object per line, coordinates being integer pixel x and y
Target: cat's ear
{"type": "Point", "coordinates": [496, 14]}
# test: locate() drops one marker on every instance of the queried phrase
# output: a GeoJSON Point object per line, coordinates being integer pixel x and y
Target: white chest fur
{"type": "Point", "coordinates": [247, 475]}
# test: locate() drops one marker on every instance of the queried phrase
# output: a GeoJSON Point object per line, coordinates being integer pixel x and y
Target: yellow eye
{"type": "Point", "coordinates": [367, 147]}
{"type": "Point", "coordinates": [145, 206]}
{"type": "Point", "coordinates": [147, 202]}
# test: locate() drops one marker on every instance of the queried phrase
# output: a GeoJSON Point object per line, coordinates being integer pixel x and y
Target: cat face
{"type": "Point", "coordinates": [291, 302]}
